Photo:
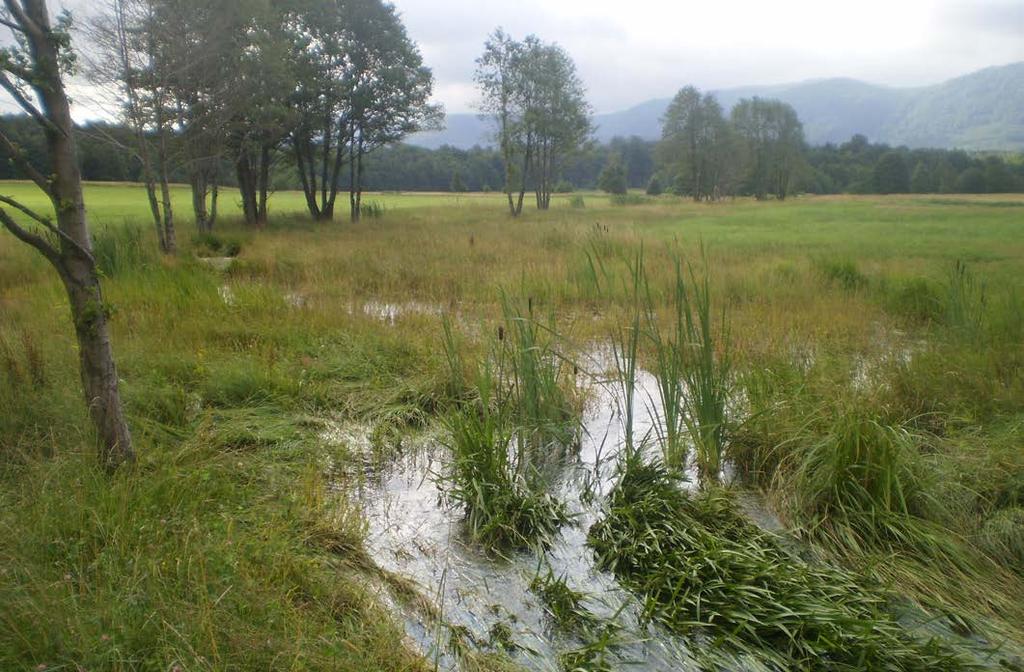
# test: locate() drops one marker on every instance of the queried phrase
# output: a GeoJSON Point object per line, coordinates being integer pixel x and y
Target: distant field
{"type": "Point", "coordinates": [874, 229]}
{"type": "Point", "coordinates": [116, 202]}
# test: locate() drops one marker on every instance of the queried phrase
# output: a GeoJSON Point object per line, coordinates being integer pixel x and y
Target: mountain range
{"type": "Point", "coordinates": [980, 111]}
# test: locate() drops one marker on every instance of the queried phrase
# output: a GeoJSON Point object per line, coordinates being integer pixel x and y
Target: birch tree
{"type": "Point", "coordinates": [32, 73]}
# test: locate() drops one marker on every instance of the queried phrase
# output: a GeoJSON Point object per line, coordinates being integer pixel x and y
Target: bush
{"type": "Point", "coordinates": [577, 202]}
{"type": "Point", "coordinates": [564, 187]}
{"type": "Point", "coordinates": [654, 187]}
{"type": "Point", "coordinates": [613, 178]}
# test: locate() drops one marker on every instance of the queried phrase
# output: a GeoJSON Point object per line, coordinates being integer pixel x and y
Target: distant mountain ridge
{"type": "Point", "coordinates": [980, 111]}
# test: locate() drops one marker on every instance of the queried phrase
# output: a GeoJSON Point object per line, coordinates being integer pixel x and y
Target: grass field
{"type": "Point", "coordinates": [877, 344]}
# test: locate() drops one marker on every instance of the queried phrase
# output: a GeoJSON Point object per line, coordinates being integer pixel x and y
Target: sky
{"type": "Point", "coordinates": [631, 52]}
{"type": "Point", "coordinates": [628, 52]}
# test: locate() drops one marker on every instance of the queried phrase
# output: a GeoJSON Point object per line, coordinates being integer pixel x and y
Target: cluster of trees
{"type": "Point", "coordinates": [205, 89]}
{"type": "Point", "coordinates": [860, 167]}
{"type": "Point", "coordinates": [758, 150]}
{"type": "Point", "coordinates": [538, 103]}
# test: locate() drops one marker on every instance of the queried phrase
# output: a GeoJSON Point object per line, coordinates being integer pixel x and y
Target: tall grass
{"type": "Point", "coordinates": [707, 370]}
{"type": "Point", "coordinates": [693, 367]}
{"type": "Point", "coordinates": [669, 352]}
{"type": "Point", "coordinates": [512, 424]}
{"type": "Point", "coordinates": [966, 300]}
{"type": "Point", "coordinates": [539, 376]}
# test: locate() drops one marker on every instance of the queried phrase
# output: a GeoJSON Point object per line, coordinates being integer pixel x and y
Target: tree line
{"type": "Point", "coordinates": [215, 93]}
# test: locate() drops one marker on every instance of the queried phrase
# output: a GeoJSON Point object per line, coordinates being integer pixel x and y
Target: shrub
{"type": "Point", "coordinates": [654, 187]}
{"type": "Point", "coordinates": [577, 202]}
{"type": "Point", "coordinates": [612, 179]}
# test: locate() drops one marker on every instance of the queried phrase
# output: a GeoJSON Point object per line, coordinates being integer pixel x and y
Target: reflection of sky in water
{"type": "Point", "coordinates": [412, 533]}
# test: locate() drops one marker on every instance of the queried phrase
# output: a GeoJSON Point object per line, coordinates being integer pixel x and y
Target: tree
{"type": "Point", "coordinates": [32, 72]}
{"type": "Point", "coordinates": [654, 187]}
{"type": "Point", "coordinates": [774, 141]}
{"type": "Point", "coordinates": [260, 85]}
{"type": "Point", "coordinates": [891, 175]}
{"type": "Point", "coordinates": [922, 180]}
{"type": "Point", "coordinates": [505, 98]}
{"type": "Point", "coordinates": [457, 185]}
{"type": "Point", "coordinates": [558, 115]}
{"type": "Point", "coordinates": [389, 87]}
{"type": "Point", "coordinates": [613, 177]}
{"type": "Point", "coordinates": [359, 84]}
{"type": "Point", "coordinates": [319, 100]}
{"type": "Point", "coordinates": [126, 58]}
{"type": "Point", "coordinates": [972, 181]}
{"type": "Point", "coordinates": [698, 146]}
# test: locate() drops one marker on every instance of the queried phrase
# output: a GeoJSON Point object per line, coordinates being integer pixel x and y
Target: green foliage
{"type": "Point", "coordinates": [891, 174]}
{"type": "Point", "coordinates": [857, 466]}
{"type": "Point", "coordinates": [613, 178]}
{"type": "Point", "coordinates": [654, 187]}
{"type": "Point", "coordinates": [371, 209]}
{"type": "Point", "coordinates": [917, 299]}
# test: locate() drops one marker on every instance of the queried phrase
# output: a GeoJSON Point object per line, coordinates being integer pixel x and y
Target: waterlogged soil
{"type": "Point", "coordinates": [485, 597]}
{"type": "Point", "coordinates": [483, 601]}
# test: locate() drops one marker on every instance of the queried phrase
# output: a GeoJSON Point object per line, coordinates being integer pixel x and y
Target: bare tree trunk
{"type": "Point", "coordinates": [214, 194]}
{"type": "Point", "coordinates": [264, 184]}
{"type": "Point", "coordinates": [304, 163]}
{"type": "Point", "coordinates": [165, 190]}
{"type": "Point", "coordinates": [72, 256]}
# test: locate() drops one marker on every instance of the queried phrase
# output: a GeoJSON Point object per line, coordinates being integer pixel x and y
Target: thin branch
{"type": "Point", "coordinates": [21, 17]}
{"type": "Point", "coordinates": [18, 157]}
{"type": "Point", "coordinates": [48, 224]}
{"type": "Point", "coordinates": [36, 241]}
{"type": "Point", "coordinates": [26, 104]}
{"type": "Point", "coordinates": [12, 25]}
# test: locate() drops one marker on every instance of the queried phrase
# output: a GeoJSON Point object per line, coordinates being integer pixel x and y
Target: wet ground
{"type": "Point", "coordinates": [487, 597]}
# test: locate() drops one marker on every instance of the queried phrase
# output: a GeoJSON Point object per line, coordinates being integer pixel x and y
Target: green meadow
{"type": "Point", "coordinates": [875, 349]}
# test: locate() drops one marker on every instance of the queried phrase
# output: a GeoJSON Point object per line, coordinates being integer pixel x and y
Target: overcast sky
{"type": "Point", "coordinates": [631, 51]}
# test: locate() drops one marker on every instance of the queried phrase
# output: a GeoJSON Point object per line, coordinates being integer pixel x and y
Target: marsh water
{"type": "Point", "coordinates": [487, 597]}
